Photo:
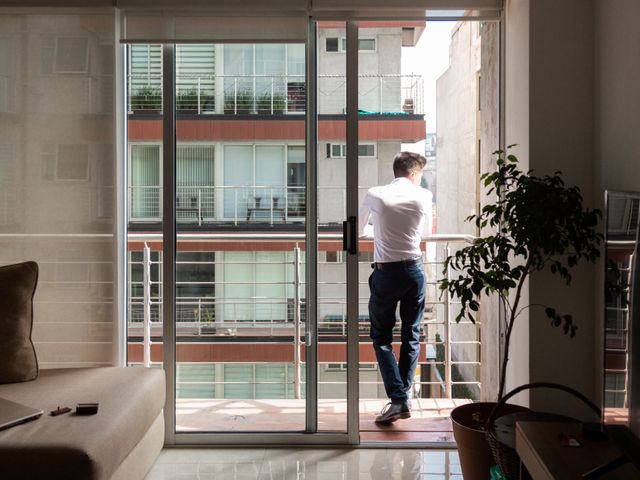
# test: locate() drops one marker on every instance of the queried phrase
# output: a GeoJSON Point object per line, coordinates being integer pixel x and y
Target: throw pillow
{"type": "Point", "coordinates": [18, 361]}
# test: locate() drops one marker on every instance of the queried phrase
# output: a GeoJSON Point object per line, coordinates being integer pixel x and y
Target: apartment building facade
{"type": "Point", "coordinates": [241, 168]}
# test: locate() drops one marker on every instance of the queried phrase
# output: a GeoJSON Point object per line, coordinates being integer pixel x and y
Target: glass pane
{"type": "Point", "coordinates": [144, 166]}
{"type": "Point", "coordinates": [409, 77]}
{"type": "Point", "coordinates": [621, 216]}
{"type": "Point", "coordinates": [332, 340]}
{"type": "Point", "coordinates": [240, 185]}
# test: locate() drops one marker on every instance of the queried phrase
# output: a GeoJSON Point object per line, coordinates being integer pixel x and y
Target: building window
{"type": "Point", "coordinates": [195, 191]}
{"type": "Point", "coordinates": [195, 287]}
{"type": "Point", "coordinates": [342, 367]}
{"type": "Point", "coordinates": [334, 44]}
{"type": "Point", "coordinates": [339, 150]}
{"type": "Point", "coordinates": [195, 77]}
{"type": "Point", "coordinates": [144, 186]}
{"type": "Point", "coordinates": [364, 44]}
{"type": "Point", "coordinates": [261, 180]}
{"type": "Point", "coordinates": [264, 79]}
{"type": "Point", "coordinates": [145, 77]}
{"type": "Point", "coordinates": [333, 257]}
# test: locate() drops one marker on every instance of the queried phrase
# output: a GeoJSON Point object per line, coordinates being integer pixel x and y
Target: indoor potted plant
{"type": "Point", "coordinates": [536, 223]}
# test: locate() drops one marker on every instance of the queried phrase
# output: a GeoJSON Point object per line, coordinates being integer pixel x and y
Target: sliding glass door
{"type": "Point", "coordinates": [249, 317]}
{"type": "Point", "coordinates": [247, 162]}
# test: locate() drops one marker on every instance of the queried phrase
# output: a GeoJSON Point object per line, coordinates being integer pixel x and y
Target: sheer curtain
{"type": "Point", "coordinates": [58, 177]}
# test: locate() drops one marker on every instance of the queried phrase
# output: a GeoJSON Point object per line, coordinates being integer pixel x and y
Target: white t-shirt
{"type": "Point", "coordinates": [401, 216]}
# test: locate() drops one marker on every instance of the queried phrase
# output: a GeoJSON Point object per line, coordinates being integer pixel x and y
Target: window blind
{"type": "Point", "coordinates": [165, 27]}
{"type": "Point", "coordinates": [56, 161]}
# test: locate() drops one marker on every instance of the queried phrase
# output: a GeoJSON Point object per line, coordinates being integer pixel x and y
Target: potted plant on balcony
{"type": "Point", "coordinates": [537, 224]}
{"type": "Point", "coordinates": [146, 100]}
{"type": "Point", "coordinates": [187, 101]}
{"type": "Point", "coordinates": [271, 104]}
{"type": "Point", "coordinates": [239, 103]}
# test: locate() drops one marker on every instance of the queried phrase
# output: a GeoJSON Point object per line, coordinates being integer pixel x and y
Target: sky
{"type": "Point", "coordinates": [429, 58]}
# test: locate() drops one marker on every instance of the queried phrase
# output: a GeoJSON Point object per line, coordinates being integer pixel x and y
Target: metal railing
{"type": "Point", "coordinates": [616, 326]}
{"type": "Point", "coordinates": [276, 94]}
{"type": "Point", "coordinates": [273, 318]}
{"type": "Point", "coordinates": [221, 204]}
{"type": "Point", "coordinates": [237, 205]}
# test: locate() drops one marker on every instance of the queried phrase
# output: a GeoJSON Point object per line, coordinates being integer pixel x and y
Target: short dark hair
{"type": "Point", "coordinates": [405, 163]}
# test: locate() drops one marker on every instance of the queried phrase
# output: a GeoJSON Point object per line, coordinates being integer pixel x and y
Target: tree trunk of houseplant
{"type": "Point", "coordinates": [468, 430]}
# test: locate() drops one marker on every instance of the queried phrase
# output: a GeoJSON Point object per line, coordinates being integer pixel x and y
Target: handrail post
{"type": "Point", "coordinates": [447, 335]}
{"type": "Point", "coordinates": [199, 207]}
{"type": "Point", "coordinates": [146, 282]}
{"type": "Point", "coordinates": [199, 316]}
{"type": "Point", "coordinates": [271, 207]}
{"type": "Point", "coordinates": [235, 96]}
{"type": "Point", "coordinates": [235, 206]}
{"type": "Point", "coordinates": [198, 96]}
{"type": "Point", "coordinates": [296, 322]}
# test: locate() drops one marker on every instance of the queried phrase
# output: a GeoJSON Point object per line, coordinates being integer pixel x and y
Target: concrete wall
{"type": "Point", "coordinates": [572, 72]}
{"type": "Point", "coordinates": [457, 132]}
{"type": "Point", "coordinates": [489, 142]}
{"type": "Point", "coordinates": [376, 94]}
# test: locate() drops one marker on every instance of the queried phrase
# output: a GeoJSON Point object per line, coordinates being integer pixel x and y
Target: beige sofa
{"type": "Point", "coordinates": [120, 442]}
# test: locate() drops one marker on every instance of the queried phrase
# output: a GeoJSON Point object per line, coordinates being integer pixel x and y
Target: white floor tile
{"type": "Point", "coordinates": [211, 455]}
{"type": "Point", "coordinates": [305, 464]}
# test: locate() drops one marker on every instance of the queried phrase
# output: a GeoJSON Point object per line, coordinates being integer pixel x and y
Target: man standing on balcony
{"type": "Point", "coordinates": [398, 216]}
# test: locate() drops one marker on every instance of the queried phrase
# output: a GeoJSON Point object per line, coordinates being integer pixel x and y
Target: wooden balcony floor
{"type": "Point", "coordinates": [429, 422]}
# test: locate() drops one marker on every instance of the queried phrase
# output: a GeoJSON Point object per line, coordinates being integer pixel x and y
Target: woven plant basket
{"type": "Point", "coordinates": [505, 456]}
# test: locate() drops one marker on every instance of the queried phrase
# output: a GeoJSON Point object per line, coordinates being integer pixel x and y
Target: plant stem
{"type": "Point", "coordinates": [512, 318]}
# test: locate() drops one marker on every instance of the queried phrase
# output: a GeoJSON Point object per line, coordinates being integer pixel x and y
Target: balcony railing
{"type": "Point", "coordinates": [276, 95]}
{"type": "Point", "coordinates": [224, 204]}
{"type": "Point", "coordinates": [239, 205]}
{"type": "Point", "coordinates": [452, 349]}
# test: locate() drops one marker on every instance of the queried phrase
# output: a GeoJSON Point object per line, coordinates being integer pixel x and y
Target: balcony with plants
{"type": "Point", "coordinates": [268, 95]}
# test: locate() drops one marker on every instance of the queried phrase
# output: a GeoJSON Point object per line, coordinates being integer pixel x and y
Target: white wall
{"type": "Point", "coordinates": [550, 50]}
{"type": "Point", "coordinates": [571, 103]}
{"type": "Point", "coordinates": [516, 94]}
{"type": "Point", "coordinates": [617, 99]}
{"type": "Point", "coordinates": [616, 107]}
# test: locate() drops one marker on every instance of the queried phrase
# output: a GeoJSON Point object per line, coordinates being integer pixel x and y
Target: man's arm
{"type": "Point", "coordinates": [427, 229]}
{"type": "Point", "coordinates": [365, 229]}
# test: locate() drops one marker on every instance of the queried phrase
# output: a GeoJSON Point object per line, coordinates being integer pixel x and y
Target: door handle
{"type": "Point", "coordinates": [349, 235]}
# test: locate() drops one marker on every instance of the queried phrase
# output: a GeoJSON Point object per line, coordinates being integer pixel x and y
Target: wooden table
{"type": "Point", "coordinates": [539, 445]}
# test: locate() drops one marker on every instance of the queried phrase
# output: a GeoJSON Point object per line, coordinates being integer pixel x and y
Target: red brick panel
{"type": "Point", "coordinates": [254, 130]}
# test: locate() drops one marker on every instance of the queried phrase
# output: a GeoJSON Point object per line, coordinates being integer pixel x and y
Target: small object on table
{"type": "Point", "coordinates": [569, 440]}
{"type": "Point", "coordinates": [59, 411]}
{"type": "Point", "coordinates": [86, 409]}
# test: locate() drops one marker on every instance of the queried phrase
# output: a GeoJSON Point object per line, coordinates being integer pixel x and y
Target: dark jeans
{"type": "Point", "coordinates": [404, 284]}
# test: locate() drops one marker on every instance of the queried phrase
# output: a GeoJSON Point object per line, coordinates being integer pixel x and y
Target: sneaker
{"type": "Point", "coordinates": [392, 412]}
